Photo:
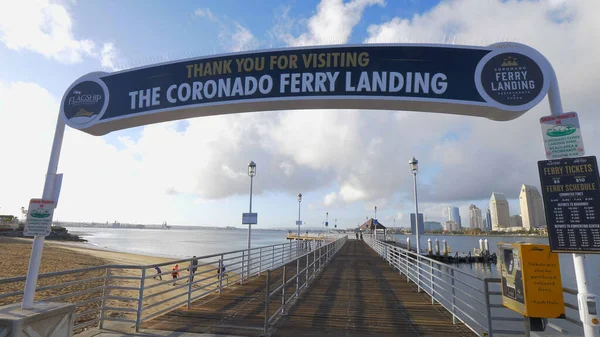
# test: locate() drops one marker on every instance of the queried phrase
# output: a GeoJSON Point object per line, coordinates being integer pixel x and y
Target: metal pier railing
{"type": "Point", "coordinates": [133, 294]}
{"type": "Point", "coordinates": [473, 300]}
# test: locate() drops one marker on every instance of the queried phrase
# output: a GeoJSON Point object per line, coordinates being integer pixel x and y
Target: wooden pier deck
{"type": "Point", "coordinates": [358, 294]}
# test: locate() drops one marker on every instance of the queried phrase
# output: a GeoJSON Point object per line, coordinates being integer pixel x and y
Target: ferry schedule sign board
{"type": "Point", "coordinates": [39, 218]}
{"type": "Point", "coordinates": [570, 189]}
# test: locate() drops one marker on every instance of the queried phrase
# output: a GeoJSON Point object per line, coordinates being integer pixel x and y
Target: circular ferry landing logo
{"type": "Point", "coordinates": [512, 79]}
{"type": "Point", "coordinates": [84, 102]}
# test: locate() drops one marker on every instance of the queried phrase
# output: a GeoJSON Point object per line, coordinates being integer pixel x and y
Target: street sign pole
{"type": "Point", "coordinates": [38, 241]}
{"type": "Point", "coordinates": [579, 260]}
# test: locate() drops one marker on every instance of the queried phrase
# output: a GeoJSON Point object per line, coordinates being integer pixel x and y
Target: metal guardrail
{"type": "Point", "coordinates": [472, 300]}
{"type": "Point", "coordinates": [134, 294]}
{"type": "Point", "coordinates": [313, 263]}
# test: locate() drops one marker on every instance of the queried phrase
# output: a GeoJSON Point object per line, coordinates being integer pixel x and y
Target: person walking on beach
{"type": "Point", "coordinates": [175, 273]}
{"type": "Point", "coordinates": [193, 268]}
{"type": "Point", "coordinates": [158, 272]}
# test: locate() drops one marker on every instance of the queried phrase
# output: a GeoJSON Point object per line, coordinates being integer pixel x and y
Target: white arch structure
{"type": "Point", "coordinates": [498, 82]}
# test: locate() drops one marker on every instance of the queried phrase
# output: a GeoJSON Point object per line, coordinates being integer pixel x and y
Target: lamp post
{"type": "Point", "coordinates": [326, 223]}
{"type": "Point", "coordinates": [251, 173]}
{"type": "Point", "coordinates": [299, 222]}
{"type": "Point", "coordinates": [414, 167]}
{"type": "Point", "coordinates": [375, 224]}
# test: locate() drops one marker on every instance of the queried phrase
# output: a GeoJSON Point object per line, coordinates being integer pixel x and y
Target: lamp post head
{"type": "Point", "coordinates": [414, 165]}
{"type": "Point", "coordinates": [299, 197]}
{"type": "Point", "coordinates": [251, 169]}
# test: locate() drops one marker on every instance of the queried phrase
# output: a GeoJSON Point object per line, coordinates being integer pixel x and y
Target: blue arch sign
{"type": "Point", "coordinates": [499, 82]}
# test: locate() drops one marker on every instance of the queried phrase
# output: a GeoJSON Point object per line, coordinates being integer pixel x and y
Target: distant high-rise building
{"type": "Point", "coordinates": [475, 218]}
{"type": "Point", "coordinates": [488, 220]}
{"type": "Point", "coordinates": [432, 226]}
{"type": "Point", "coordinates": [515, 221]}
{"type": "Point", "coordinates": [451, 226]}
{"type": "Point", "coordinates": [413, 228]}
{"type": "Point", "coordinates": [499, 211]}
{"type": "Point", "coordinates": [454, 214]}
{"type": "Point", "coordinates": [532, 207]}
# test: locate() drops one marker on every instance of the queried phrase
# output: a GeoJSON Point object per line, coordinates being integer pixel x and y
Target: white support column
{"type": "Point", "coordinates": [579, 260]}
{"type": "Point", "coordinates": [38, 241]}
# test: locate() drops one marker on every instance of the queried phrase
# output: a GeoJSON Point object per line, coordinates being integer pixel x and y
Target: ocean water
{"type": "Point", "coordinates": [179, 244]}
{"type": "Point", "coordinates": [176, 243]}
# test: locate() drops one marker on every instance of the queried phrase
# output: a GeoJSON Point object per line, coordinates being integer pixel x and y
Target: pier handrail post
{"type": "Point", "coordinates": [249, 264]}
{"type": "Point", "coordinates": [220, 273]}
{"type": "Point", "coordinates": [453, 297]}
{"type": "Point", "coordinates": [431, 282]}
{"type": "Point", "coordinates": [297, 277]}
{"type": "Point", "coordinates": [190, 279]}
{"type": "Point", "coordinates": [138, 319]}
{"type": "Point", "coordinates": [105, 292]}
{"type": "Point", "coordinates": [314, 263]}
{"type": "Point", "coordinates": [273, 258]}
{"type": "Point", "coordinates": [307, 268]}
{"type": "Point", "coordinates": [242, 274]}
{"type": "Point", "coordinates": [267, 298]}
{"type": "Point", "coordinates": [283, 290]}
{"type": "Point", "coordinates": [259, 260]}
{"type": "Point", "coordinates": [486, 293]}
{"type": "Point", "coordinates": [418, 272]}
{"type": "Point", "coordinates": [407, 275]}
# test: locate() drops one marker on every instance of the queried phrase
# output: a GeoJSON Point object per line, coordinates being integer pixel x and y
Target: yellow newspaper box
{"type": "Point", "coordinates": [531, 283]}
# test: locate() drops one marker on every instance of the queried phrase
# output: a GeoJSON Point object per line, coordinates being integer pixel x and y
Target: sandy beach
{"type": "Point", "coordinates": [59, 256]}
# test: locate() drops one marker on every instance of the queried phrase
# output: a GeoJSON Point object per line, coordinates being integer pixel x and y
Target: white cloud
{"type": "Point", "coordinates": [233, 36]}
{"type": "Point", "coordinates": [46, 28]}
{"type": "Point", "coordinates": [399, 217]}
{"type": "Point", "coordinates": [207, 13]}
{"type": "Point", "coordinates": [288, 168]}
{"type": "Point", "coordinates": [332, 23]}
{"type": "Point", "coordinates": [330, 199]}
{"type": "Point", "coordinates": [109, 57]}
{"type": "Point", "coordinates": [242, 39]}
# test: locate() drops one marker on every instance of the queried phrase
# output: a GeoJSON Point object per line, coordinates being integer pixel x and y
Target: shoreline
{"type": "Point", "coordinates": [110, 256]}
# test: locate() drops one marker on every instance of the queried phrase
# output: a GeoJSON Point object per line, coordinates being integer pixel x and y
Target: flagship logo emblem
{"type": "Point", "coordinates": [84, 103]}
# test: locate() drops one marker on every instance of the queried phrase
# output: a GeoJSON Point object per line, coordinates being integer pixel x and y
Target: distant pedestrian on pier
{"type": "Point", "coordinates": [175, 273]}
{"type": "Point", "coordinates": [356, 235]}
{"type": "Point", "coordinates": [158, 272]}
{"type": "Point", "coordinates": [361, 236]}
{"type": "Point", "coordinates": [193, 268]}
{"type": "Point", "coordinates": [221, 268]}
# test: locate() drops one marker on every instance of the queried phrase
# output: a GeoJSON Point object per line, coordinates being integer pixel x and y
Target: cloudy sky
{"type": "Point", "coordinates": [344, 162]}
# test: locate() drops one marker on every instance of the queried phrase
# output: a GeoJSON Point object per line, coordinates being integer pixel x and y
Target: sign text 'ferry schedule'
{"type": "Point", "coordinates": [572, 204]}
